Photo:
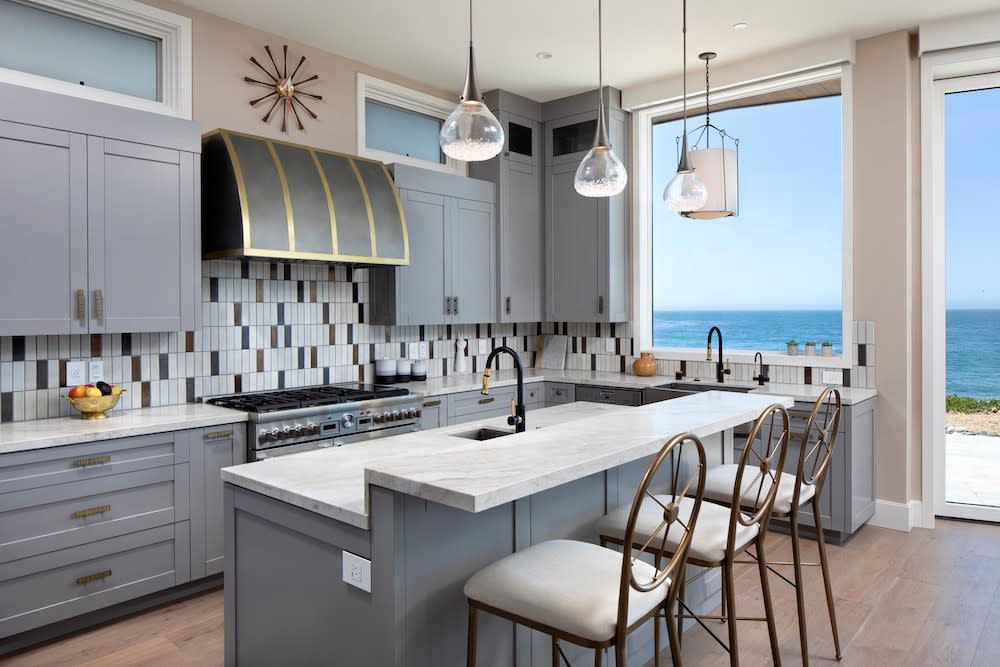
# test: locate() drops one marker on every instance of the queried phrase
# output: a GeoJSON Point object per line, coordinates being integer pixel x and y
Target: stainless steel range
{"type": "Point", "coordinates": [288, 421]}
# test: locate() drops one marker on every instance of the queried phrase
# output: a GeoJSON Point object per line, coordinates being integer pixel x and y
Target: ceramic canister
{"type": "Point", "coordinates": [403, 370]}
{"type": "Point", "coordinates": [419, 370]}
{"type": "Point", "coordinates": [385, 370]}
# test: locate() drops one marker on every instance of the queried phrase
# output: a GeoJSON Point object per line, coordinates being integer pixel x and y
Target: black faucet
{"type": "Point", "coordinates": [760, 378]}
{"type": "Point", "coordinates": [720, 369]}
{"type": "Point", "coordinates": [516, 418]}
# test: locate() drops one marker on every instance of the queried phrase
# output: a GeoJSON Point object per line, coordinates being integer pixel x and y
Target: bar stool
{"type": "Point", "coordinates": [590, 595]}
{"type": "Point", "coordinates": [723, 532]}
{"type": "Point", "coordinates": [815, 453]}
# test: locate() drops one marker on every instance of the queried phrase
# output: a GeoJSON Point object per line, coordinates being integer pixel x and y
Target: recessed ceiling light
{"type": "Point", "coordinates": [740, 26]}
{"type": "Point", "coordinates": [544, 55]}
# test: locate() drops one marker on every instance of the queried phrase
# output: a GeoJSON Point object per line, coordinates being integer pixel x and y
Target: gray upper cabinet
{"type": "Point", "coordinates": [586, 240]}
{"type": "Point", "coordinates": [451, 278]}
{"type": "Point", "coordinates": [517, 172]}
{"type": "Point", "coordinates": [100, 213]}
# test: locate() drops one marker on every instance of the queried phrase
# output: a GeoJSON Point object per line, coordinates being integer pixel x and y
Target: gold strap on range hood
{"type": "Point", "coordinates": [272, 199]}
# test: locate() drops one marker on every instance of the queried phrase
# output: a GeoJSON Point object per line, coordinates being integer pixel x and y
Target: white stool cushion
{"type": "Point", "coordinates": [710, 533]}
{"type": "Point", "coordinates": [721, 480]}
{"type": "Point", "coordinates": [568, 585]}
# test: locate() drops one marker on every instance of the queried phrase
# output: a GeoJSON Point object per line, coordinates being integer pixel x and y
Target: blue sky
{"type": "Point", "coordinates": [783, 250]}
{"type": "Point", "coordinates": [972, 199]}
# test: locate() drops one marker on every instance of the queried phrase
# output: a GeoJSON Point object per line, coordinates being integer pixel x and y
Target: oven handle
{"type": "Point", "coordinates": [283, 450]}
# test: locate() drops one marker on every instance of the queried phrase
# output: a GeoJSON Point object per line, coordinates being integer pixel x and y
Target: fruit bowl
{"type": "Point", "coordinates": [94, 407]}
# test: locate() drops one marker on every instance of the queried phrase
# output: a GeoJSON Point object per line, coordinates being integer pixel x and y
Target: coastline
{"type": "Point", "coordinates": [975, 422]}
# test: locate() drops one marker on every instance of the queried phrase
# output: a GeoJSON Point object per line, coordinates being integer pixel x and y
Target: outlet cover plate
{"type": "Point", "coordinates": [422, 350]}
{"type": "Point", "coordinates": [96, 373]}
{"type": "Point", "coordinates": [412, 350]}
{"type": "Point", "coordinates": [76, 373]}
{"type": "Point", "coordinates": [484, 346]}
{"type": "Point", "coordinates": [357, 571]}
{"type": "Point", "coordinates": [832, 377]}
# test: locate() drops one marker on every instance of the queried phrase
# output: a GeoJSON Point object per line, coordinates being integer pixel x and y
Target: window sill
{"type": "Point", "coordinates": [747, 357]}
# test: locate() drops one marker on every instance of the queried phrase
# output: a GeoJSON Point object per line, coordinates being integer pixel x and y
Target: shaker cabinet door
{"type": "Point", "coordinates": [43, 218]}
{"type": "Point", "coordinates": [473, 262]}
{"type": "Point", "coordinates": [422, 283]}
{"type": "Point", "coordinates": [571, 248]}
{"type": "Point", "coordinates": [141, 237]}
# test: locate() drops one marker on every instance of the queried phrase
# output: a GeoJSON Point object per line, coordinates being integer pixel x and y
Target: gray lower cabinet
{"type": "Point", "coordinates": [451, 277]}
{"type": "Point", "coordinates": [100, 233]}
{"type": "Point", "coordinates": [848, 497]}
{"type": "Point", "coordinates": [470, 406]}
{"type": "Point", "coordinates": [611, 395]}
{"type": "Point", "coordinates": [557, 393]}
{"type": "Point", "coordinates": [84, 527]}
{"type": "Point", "coordinates": [586, 239]}
{"type": "Point", "coordinates": [434, 412]}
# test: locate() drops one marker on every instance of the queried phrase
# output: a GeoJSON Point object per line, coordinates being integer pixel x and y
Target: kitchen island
{"type": "Point", "coordinates": [428, 509]}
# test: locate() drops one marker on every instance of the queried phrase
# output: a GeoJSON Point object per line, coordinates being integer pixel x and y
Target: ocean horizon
{"type": "Point", "coordinates": [973, 338]}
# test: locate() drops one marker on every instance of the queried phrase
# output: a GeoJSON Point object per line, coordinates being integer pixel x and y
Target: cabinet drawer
{"type": "Point", "coordinates": [39, 520]}
{"type": "Point", "coordinates": [557, 392]}
{"type": "Point", "coordinates": [534, 394]}
{"type": "Point", "coordinates": [48, 588]}
{"type": "Point", "coordinates": [471, 403]}
{"type": "Point", "coordinates": [610, 395]}
{"type": "Point", "coordinates": [71, 463]}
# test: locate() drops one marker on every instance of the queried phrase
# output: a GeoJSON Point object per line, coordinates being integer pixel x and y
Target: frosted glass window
{"type": "Point", "coordinates": [38, 41]}
{"type": "Point", "coordinates": [402, 132]}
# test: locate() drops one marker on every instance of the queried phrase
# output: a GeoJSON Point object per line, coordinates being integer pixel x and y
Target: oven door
{"type": "Point", "coordinates": [283, 450]}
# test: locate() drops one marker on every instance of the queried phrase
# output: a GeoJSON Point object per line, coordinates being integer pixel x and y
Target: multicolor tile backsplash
{"type": "Point", "coordinates": [270, 325]}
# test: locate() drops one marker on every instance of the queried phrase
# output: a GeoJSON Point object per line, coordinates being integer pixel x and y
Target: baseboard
{"type": "Point", "coordinates": [897, 516]}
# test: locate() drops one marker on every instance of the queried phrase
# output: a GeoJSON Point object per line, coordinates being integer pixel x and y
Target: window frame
{"type": "Point", "coordinates": [173, 31]}
{"type": "Point", "coordinates": [393, 94]}
{"type": "Point", "coordinates": [643, 199]}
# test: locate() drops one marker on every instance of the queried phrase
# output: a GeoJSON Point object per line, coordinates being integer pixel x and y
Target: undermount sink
{"type": "Point", "coordinates": [706, 386]}
{"type": "Point", "coordinates": [483, 433]}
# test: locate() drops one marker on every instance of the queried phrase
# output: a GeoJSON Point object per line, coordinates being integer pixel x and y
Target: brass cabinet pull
{"type": "Point", "coordinates": [218, 435]}
{"type": "Point", "coordinates": [508, 305]}
{"type": "Point", "coordinates": [100, 509]}
{"type": "Point", "coordinates": [81, 306]}
{"type": "Point", "coordinates": [432, 404]}
{"type": "Point", "coordinates": [447, 305]}
{"type": "Point", "coordinates": [97, 576]}
{"type": "Point", "coordinates": [600, 305]}
{"type": "Point", "coordinates": [488, 399]}
{"type": "Point", "coordinates": [456, 304]}
{"type": "Point", "coordinates": [92, 461]}
{"type": "Point", "coordinates": [99, 305]}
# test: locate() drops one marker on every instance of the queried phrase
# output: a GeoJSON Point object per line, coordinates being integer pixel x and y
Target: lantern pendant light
{"type": "Point", "coordinates": [718, 167]}
{"type": "Point", "coordinates": [601, 173]}
{"type": "Point", "coordinates": [471, 133]}
{"type": "Point", "coordinates": [685, 192]}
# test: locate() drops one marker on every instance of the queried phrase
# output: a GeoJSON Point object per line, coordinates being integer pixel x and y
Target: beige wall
{"type": "Point", "coordinates": [886, 247]}
{"type": "Point", "coordinates": [222, 51]}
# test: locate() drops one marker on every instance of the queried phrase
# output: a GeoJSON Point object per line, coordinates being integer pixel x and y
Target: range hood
{"type": "Point", "coordinates": [270, 199]}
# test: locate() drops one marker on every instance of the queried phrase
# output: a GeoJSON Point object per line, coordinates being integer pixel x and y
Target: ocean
{"type": "Point", "coordinates": [973, 338]}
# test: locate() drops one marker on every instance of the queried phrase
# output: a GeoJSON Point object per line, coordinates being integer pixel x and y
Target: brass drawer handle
{"type": "Point", "coordinates": [92, 461]}
{"type": "Point", "coordinates": [218, 435]}
{"type": "Point", "coordinates": [432, 404]}
{"type": "Point", "coordinates": [81, 306]}
{"type": "Point", "coordinates": [97, 576]}
{"type": "Point", "coordinates": [488, 399]}
{"type": "Point", "coordinates": [99, 304]}
{"type": "Point", "coordinates": [100, 509]}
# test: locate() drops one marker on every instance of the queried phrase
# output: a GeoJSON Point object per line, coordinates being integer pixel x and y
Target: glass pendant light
{"type": "Point", "coordinates": [471, 133]}
{"type": "Point", "coordinates": [601, 173]}
{"type": "Point", "coordinates": [685, 192]}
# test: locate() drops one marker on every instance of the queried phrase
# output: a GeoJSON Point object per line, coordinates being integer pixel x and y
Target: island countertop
{"type": "Point", "coordinates": [562, 444]}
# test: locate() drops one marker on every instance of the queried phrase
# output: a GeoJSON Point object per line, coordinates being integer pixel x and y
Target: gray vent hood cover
{"type": "Point", "coordinates": [271, 199]}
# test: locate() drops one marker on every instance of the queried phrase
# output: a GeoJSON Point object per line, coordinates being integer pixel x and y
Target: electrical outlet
{"type": "Point", "coordinates": [422, 350]}
{"type": "Point", "coordinates": [357, 571]}
{"type": "Point", "coordinates": [412, 350]}
{"type": "Point", "coordinates": [609, 344]}
{"type": "Point", "coordinates": [96, 373]}
{"type": "Point", "coordinates": [483, 346]}
{"type": "Point", "coordinates": [76, 373]}
{"type": "Point", "coordinates": [832, 377]}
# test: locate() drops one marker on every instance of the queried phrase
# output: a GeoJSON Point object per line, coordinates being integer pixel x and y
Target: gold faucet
{"type": "Point", "coordinates": [486, 382]}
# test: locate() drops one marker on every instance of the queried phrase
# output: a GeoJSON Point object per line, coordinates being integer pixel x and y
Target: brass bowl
{"type": "Point", "coordinates": [94, 407]}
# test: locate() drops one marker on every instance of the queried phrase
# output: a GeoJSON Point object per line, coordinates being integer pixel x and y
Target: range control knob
{"type": "Point", "coordinates": [298, 431]}
{"type": "Point", "coordinates": [396, 416]}
{"type": "Point", "coordinates": [312, 429]}
{"type": "Point", "coordinates": [265, 436]}
{"type": "Point", "coordinates": [387, 416]}
{"type": "Point", "coordinates": [347, 421]}
{"type": "Point", "coordinates": [378, 419]}
{"type": "Point", "coordinates": [286, 433]}
{"type": "Point", "coordinates": [419, 413]}
{"type": "Point", "coordinates": [409, 413]}
{"type": "Point", "coordinates": [275, 434]}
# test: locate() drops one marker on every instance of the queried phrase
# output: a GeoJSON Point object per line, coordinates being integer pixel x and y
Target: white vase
{"type": "Point", "coordinates": [810, 350]}
{"type": "Point", "coordinates": [460, 363]}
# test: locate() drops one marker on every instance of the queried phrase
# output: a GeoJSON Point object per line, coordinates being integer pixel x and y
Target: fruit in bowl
{"type": "Point", "coordinates": [93, 401]}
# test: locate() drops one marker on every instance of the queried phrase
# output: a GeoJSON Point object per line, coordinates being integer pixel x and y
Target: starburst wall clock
{"type": "Point", "coordinates": [284, 89]}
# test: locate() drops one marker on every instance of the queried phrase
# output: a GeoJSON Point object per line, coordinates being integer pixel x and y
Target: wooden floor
{"type": "Point", "coordinates": [930, 597]}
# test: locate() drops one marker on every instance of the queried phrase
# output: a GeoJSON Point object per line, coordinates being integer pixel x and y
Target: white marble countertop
{"type": "Point", "coordinates": [562, 444]}
{"type": "Point", "coordinates": [453, 384]}
{"type": "Point", "coordinates": [41, 433]}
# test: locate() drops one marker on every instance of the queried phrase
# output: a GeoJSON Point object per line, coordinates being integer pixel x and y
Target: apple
{"type": "Point", "coordinates": [93, 392]}
{"type": "Point", "coordinates": [79, 391]}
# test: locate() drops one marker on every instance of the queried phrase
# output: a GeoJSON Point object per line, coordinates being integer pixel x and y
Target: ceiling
{"type": "Point", "coordinates": [425, 40]}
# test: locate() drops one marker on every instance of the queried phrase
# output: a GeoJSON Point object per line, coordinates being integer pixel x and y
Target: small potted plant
{"type": "Point", "coordinates": [827, 348]}
{"type": "Point", "coordinates": [793, 346]}
{"type": "Point", "coordinates": [810, 348]}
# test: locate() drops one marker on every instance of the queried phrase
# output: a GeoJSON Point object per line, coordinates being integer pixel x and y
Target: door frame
{"type": "Point", "coordinates": [941, 73]}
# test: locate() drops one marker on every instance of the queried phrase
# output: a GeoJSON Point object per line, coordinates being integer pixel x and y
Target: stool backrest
{"type": "Point", "coordinates": [764, 451]}
{"type": "Point", "coordinates": [818, 441]}
{"type": "Point", "coordinates": [685, 455]}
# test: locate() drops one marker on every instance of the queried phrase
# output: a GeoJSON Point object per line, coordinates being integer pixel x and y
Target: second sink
{"type": "Point", "coordinates": [483, 433]}
{"type": "Point", "coordinates": [698, 386]}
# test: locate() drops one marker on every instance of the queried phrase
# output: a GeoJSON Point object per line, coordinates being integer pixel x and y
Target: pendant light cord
{"type": "Point", "coordinates": [470, 22]}
{"type": "Point", "coordinates": [600, 56]}
{"type": "Point", "coordinates": [684, 57]}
